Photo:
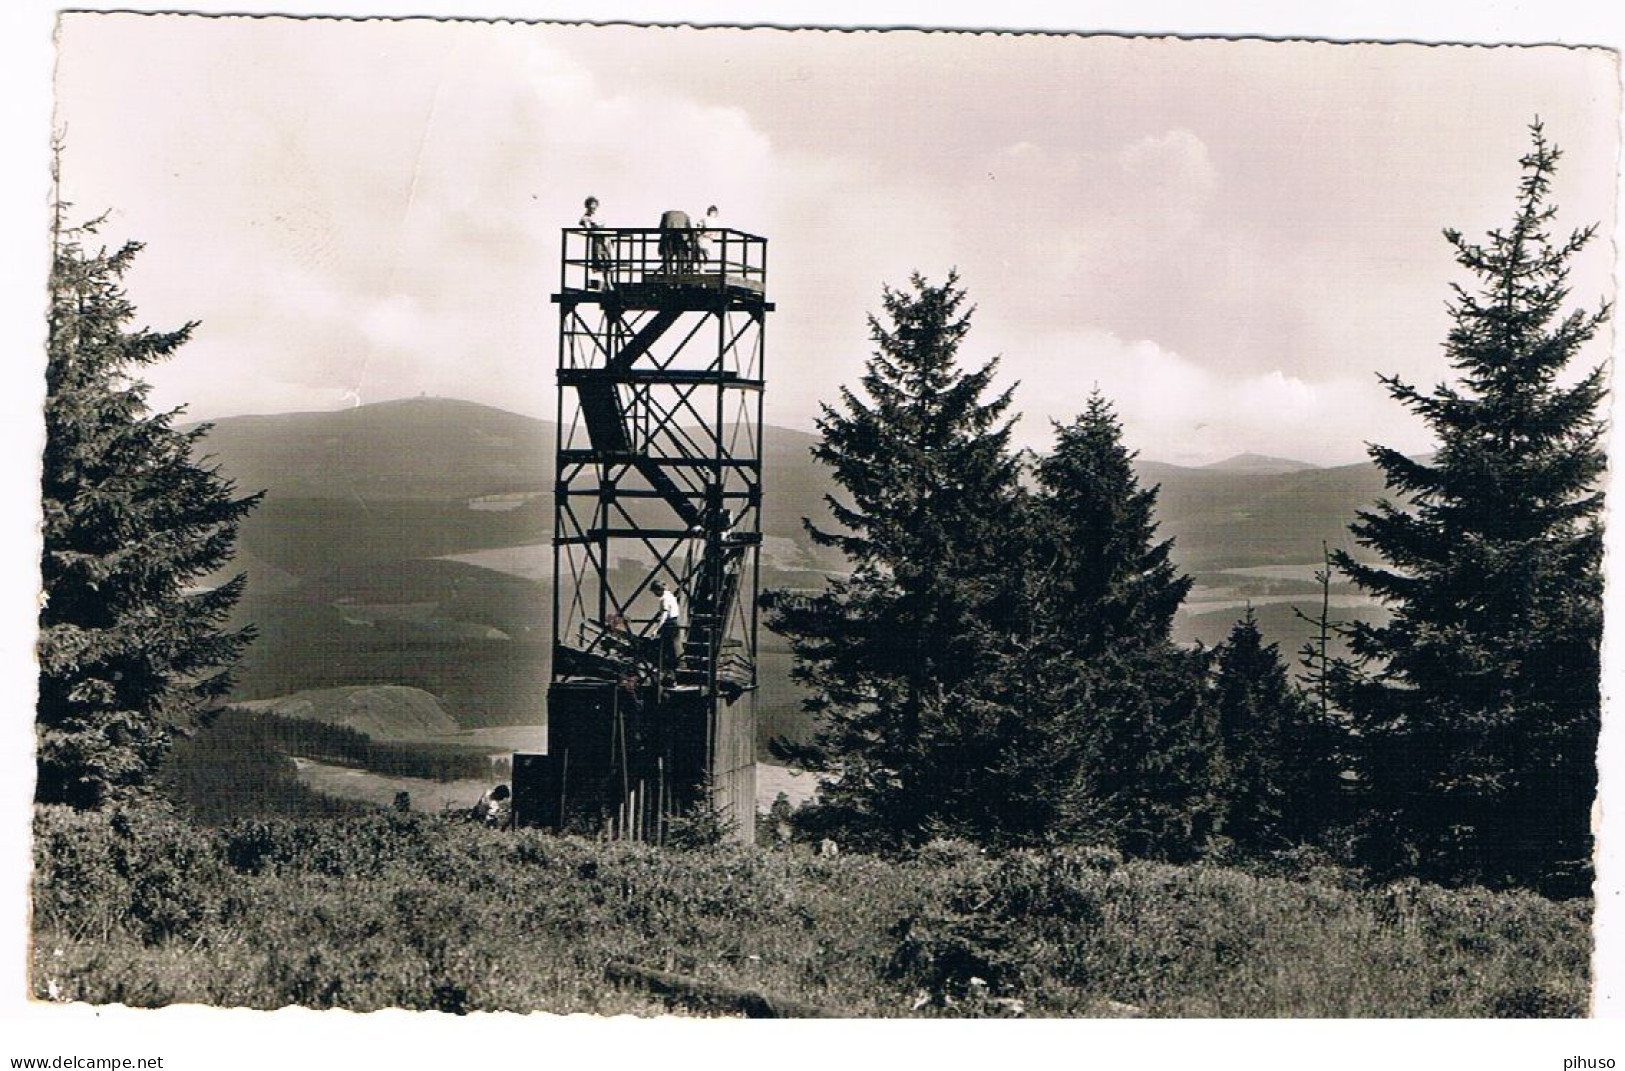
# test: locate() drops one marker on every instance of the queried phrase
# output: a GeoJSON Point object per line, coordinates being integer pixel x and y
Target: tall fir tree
{"type": "Point", "coordinates": [930, 488]}
{"type": "Point", "coordinates": [1476, 707]}
{"type": "Point", "coordinates": [1115, 586]}
{"type": "Point", "coordinates": [129, 648]}
{"type": "Point", "coordinates": [1117, 736]}
{"type": "Point", "coordinates": [1279, 774]}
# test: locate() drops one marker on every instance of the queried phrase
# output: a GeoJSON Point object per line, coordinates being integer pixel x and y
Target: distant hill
{"type": "Point", "coordinates": [429, 477]}
{"type": "Point", "coordinates": [1221, 519]}
{"type": "Point", "coordinates": [416, 448]}
{"type": "Point", "coordinates": [1258, 465]}
{"type": "Point", "coordinates": [350, 584]}
{"type": "Point", "coordinates": [383, 712]}
{"type": "Point", "coordinates": [475, 639]}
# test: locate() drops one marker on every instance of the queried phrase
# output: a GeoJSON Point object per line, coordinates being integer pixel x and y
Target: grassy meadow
{"type": "Point", "coordinates": [384, 910]}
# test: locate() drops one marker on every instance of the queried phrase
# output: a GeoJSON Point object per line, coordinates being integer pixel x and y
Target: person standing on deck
{"type": "Point", "coordinates": [598, 259]}
{"type": "Point", "coordinates": [679, 243]}
{"type": "Point", "coordinates": [711, 246]}
{"type": "Point", "coordinates": [669, 627]}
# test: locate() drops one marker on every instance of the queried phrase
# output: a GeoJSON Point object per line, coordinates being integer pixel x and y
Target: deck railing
{"type": "Point", "coordinates": [606, 258]}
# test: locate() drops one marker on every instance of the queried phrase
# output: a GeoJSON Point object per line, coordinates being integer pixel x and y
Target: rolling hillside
{"type": "Point", "coordinates": [1227, 520]}
{"type": "Point", "coordinates": [1257, 465]}
{"type": "Point", "coordinates": [416, 449]}
{"type": "Point", "coordinates": [407, 544]}
{"type": "Point", "coordinates": [383, 712]}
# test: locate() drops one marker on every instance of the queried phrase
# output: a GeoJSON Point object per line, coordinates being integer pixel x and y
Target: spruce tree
{"type": "Point", "coordinates": [130, 649]}
{"type": "Point", "coordinates": [1115, 586]}
{"type": "Point", "coordinates": [1476, 707]}
{"type": "Point", "coordinates": [929, 492]}
{"type": "Point", "coordinates": [1125, 743]}
{"type": "Point", "coordinates": [1144, 754]}
{"type": "Point", "coordinates": [1279, 776]}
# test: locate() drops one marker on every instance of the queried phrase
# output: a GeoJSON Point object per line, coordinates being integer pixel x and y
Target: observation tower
{"type": "Point", "coordinates": [657, 480]}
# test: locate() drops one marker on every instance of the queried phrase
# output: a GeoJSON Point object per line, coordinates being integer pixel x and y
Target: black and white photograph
{"type": "Point", "coordinates": [668, 520]}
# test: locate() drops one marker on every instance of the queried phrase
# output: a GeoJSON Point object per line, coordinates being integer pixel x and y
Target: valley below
{"type": "Point", "coordinates": [407, 545]}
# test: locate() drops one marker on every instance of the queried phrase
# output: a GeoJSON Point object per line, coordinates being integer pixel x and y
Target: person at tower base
{"type": "Point", "coordinates": [493, 808]}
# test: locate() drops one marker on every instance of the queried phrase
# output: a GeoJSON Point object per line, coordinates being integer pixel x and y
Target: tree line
{"type": "Point", "coordinates": [999, 665]}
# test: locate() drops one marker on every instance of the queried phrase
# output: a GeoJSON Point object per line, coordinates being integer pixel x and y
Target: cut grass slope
{"type": "Point", "coordinates": [382, 711]}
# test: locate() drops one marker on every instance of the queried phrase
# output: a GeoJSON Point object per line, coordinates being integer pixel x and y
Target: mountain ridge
{"type": "Point", "coordinates": [1259, 464]}
{"type": "Point", "coordinates": [409, 543]}
{"type": "Point", "coordinates": [247, 426]}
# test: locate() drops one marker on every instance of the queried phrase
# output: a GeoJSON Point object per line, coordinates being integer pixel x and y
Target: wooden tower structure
{"type": "Point", "coordinates": [658, 477]}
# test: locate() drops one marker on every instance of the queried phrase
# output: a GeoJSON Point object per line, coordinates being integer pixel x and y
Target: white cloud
{"type": "Point", "coordinates": [1170, 178]}
{"type": "Point", "coordinates": [382, 219]}
{"type": "Point", "coordinates": [377, 205]}
{"type": "Point", "coordinates": [394, 323]}
{"type": "Point", "coordinates": [1176, 409]}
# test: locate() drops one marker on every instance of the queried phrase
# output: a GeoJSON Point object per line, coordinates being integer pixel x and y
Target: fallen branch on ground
{"type": "Point", "coordinates": [755, 1004]}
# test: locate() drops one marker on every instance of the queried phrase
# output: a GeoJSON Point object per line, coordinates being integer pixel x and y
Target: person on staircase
{"type": "Point", "coordinates": [668, 627]}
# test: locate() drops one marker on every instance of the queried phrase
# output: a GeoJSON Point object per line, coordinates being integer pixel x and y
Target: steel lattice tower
{"type": "Point", "coordinates": [658, 477]}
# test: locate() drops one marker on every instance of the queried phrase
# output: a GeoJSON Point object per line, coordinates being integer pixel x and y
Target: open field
{"type": "Point", "coordinates": [433, 797]}
{"type": "Point", "coordinates": [391, 910]}
{"type": "Point", "coordinates": [364, 786]}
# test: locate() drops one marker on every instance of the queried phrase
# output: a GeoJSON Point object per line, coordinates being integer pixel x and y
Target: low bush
{"type": "Point", "coordinates": [408, 910]}
{"type": "Point", "coordinates": [138, 871]}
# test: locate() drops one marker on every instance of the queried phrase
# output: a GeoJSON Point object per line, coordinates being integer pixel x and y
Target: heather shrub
{"type": "Point", "coordinates": [138, 869]}
{"type": "Point", "coordinates": [413, 911]}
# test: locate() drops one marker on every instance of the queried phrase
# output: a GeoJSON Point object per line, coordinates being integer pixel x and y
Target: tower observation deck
{"type": "Point", "coordinates": [657, 483]}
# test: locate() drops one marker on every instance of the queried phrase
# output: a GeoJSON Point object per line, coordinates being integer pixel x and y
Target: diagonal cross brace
{"type": "Point", "coordinates": [639, 344]}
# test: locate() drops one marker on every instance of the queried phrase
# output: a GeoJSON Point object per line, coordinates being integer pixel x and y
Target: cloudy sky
{"type": "Point", "coordinates": [1229, 238]}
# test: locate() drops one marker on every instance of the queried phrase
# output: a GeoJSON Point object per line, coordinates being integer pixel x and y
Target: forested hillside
{"type": "Point", "coordinates": [358, 500]}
